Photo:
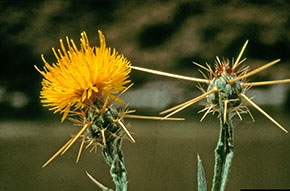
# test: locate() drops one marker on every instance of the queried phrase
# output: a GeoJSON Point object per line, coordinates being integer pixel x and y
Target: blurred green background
{"type": "Point", "coordinates": [162, 35]}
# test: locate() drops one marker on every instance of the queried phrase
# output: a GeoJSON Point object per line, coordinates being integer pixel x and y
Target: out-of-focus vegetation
{"type": "Point", "coordinates": [163, 35]}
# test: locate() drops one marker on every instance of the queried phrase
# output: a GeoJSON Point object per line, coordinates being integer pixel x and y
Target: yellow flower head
{"type": "Point", "coordinates": [83, 75]}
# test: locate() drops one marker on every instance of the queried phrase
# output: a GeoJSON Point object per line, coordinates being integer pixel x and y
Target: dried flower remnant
{"type": "Point", "coordinates": [227, 83]}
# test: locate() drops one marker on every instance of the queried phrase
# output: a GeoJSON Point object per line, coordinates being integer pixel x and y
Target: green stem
{"type": "Point", "coordinates": [114, 157]}
{"type": "Point", "coordinates": [224, 153]}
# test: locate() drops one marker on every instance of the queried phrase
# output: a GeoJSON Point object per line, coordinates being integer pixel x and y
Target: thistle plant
{"type": "Point", "coordinates": [225, 95]}
{"type": "Point", "coordinates": [84, 86]}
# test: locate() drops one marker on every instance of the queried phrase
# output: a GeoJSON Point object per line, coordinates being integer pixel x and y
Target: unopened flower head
{"type": "Point", "coordinates": [80, 76]}
{"type": "Point", "coordinates": [227, 85]}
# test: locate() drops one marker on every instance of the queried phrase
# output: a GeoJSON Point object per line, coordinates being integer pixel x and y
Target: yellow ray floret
{"type": "Point", "coordinates": [82, 75]}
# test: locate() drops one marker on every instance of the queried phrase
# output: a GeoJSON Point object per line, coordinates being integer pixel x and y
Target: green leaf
{"type": "Point", "coordinates": [201, 181]}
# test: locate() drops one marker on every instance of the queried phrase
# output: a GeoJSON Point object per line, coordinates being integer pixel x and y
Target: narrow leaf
{"type": "Point", "coordinates": [201, 180]}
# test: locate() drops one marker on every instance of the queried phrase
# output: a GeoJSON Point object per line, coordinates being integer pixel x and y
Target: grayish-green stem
{"type": "Point", "coordinates": [114, 157]}
{"type": "Point", "coordinates": [224, 153]}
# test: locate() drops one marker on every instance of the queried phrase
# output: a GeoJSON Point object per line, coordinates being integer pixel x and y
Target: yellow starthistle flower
{"type": "Point", "coordinates": [83, 85]}
{"type": "Point", "coordinates": [83, 75]}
